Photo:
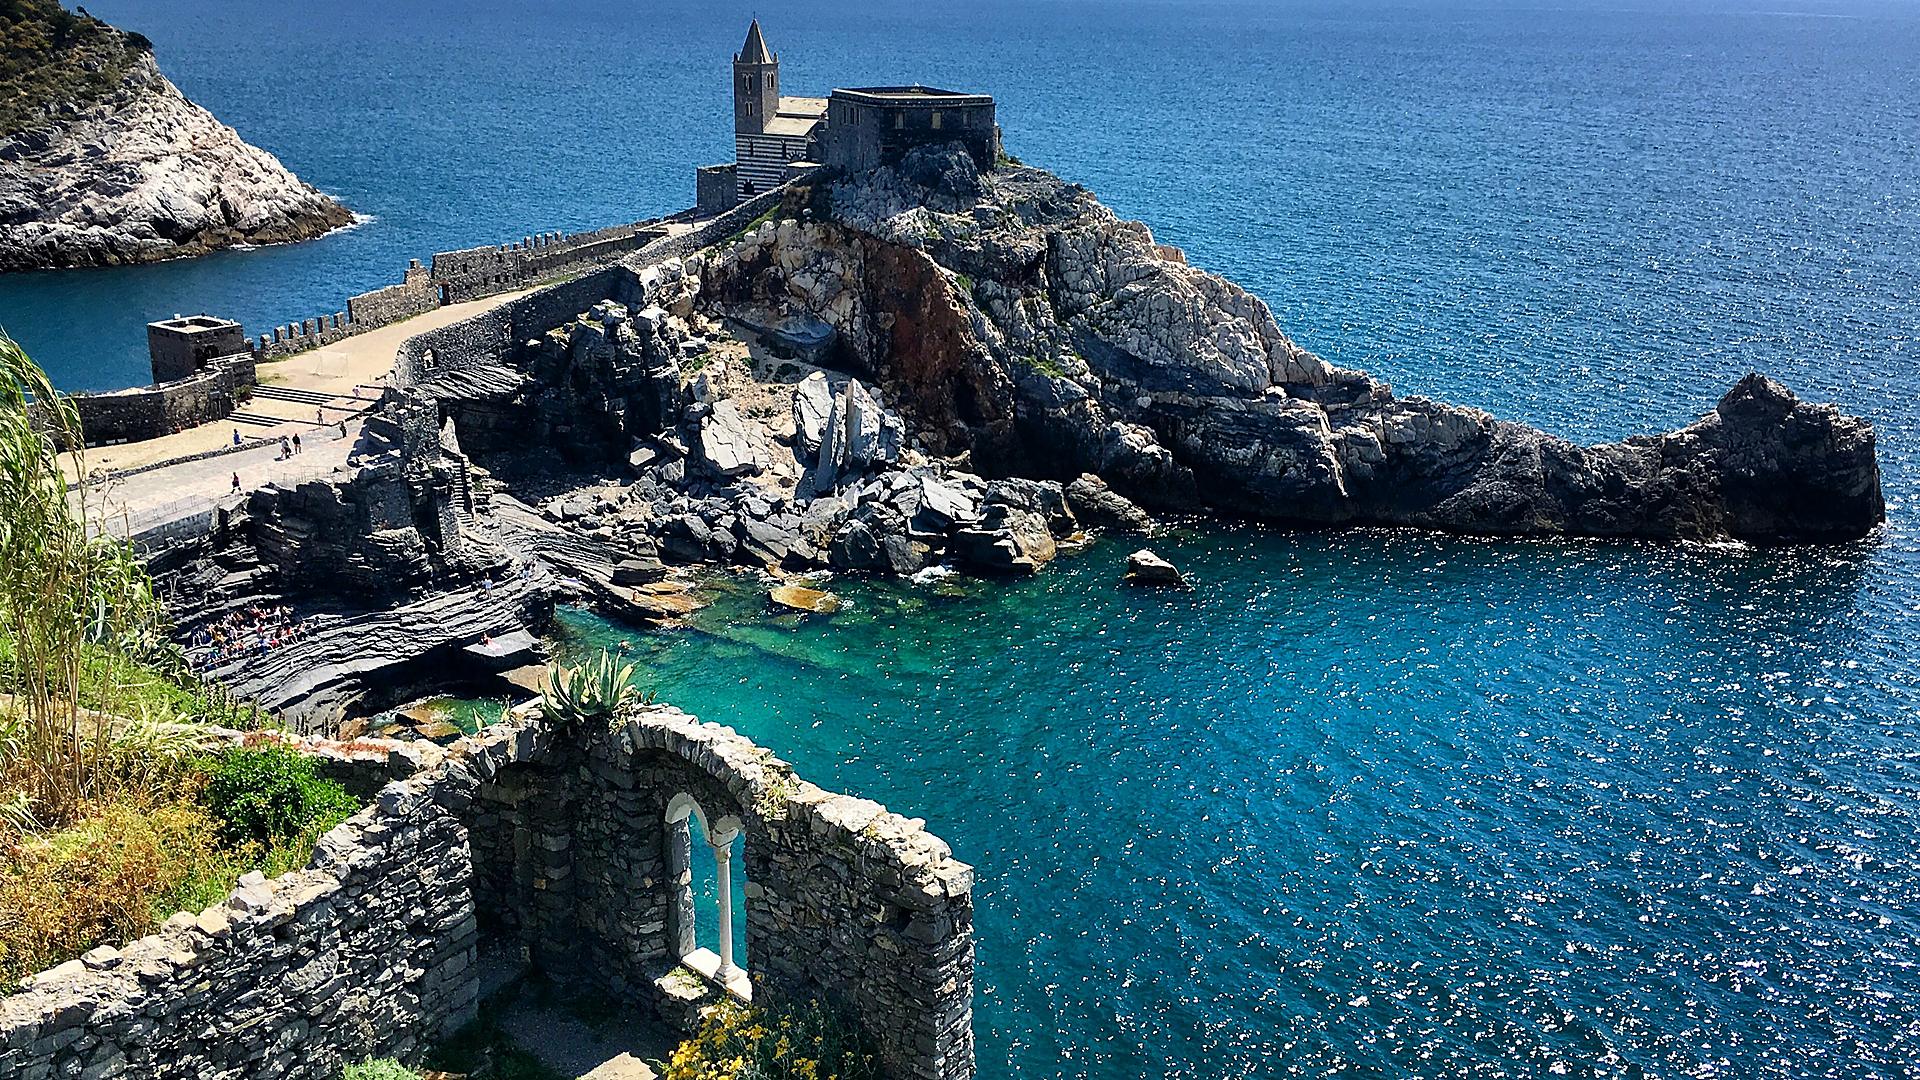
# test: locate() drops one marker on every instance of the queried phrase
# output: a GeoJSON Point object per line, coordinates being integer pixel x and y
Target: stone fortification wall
{"type": "Point", "coordinates": [560, 844]}
{"type": "Point", "coordinates": [483, 271]}
{"type": "Point", "coordinates": [846, 902]}
{"type": "Point", "coordinates": [457, 276]}
{"type": "Point", "coordinates": [367, 952]}
{"type": "Point", "coordinates": [416, 293]}
{"type": "Point", "coordinates": [491, 336]}
{"type": "Point", "coordinates": [144, 412]}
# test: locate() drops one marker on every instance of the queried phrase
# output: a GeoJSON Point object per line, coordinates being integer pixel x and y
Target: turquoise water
{"type": "Point", "coordinates": [1381, 804]}
{"type": "Point", "coordinates": [1368, 804]}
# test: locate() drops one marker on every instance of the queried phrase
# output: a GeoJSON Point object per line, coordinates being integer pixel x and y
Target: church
{"type": "Point", "coordinates": [776, 138]}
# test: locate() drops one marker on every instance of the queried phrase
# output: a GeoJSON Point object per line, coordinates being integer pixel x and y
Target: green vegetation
{"type": "Point", "coordinates": [592, 692]}
{"type": "Point", "coordinates": [383, 1069]}
{"type": "Point", "coordinates": [744, 1042]}
{"type": "Point", "coordinates": [111, 815]}
{"type": "Point", "coordinates": [49, 54]}
{"type": "Point", "coordinates": [1048, 366]}
{"type": "Point", "coordinates": [117, 873]}
{"type": "Point", "coordinates": [269, 793]}
{"type": "Point", "coordinates": [764, 217]}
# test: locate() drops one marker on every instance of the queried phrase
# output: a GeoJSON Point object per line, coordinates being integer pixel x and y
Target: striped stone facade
{"type": "Point", "coordinates": [762, 160]}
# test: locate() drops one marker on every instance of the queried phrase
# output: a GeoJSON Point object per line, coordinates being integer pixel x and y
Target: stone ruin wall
{"type": "Point", "coordinates": [559, 848]}
{"type": "Point", "coordinates": [144, 412]}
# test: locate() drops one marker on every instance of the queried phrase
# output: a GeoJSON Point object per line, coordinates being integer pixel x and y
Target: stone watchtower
{"type": "Point", "coordinates": [756, 84]}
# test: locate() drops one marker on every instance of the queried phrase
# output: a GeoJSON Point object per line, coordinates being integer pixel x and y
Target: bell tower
{"type": "Point", "coordinates": [756, 84]}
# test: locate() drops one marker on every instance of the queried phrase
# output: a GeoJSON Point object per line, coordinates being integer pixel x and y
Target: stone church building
{"type": "Point", "coordinates": [776, 138]}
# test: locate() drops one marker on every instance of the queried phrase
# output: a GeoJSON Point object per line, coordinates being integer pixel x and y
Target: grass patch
{"type": "Point", "coordinates": [755, 223]}
{"type": "Point", "coordinates": [1048, 366]}
{"type": "Point", "coordinates": [380, 1069]}
{"type": "Point", "coordinates": [121, 870]}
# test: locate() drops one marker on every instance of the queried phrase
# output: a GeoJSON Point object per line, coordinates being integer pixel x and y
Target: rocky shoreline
{"type": "Point", "coordinates": [916, 367]}
{"type": "Point", "coordinates": [143, 174]}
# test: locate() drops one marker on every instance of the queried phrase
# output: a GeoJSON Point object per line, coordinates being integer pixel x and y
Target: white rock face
{"type": "Point", "coordinates": [141, 175]}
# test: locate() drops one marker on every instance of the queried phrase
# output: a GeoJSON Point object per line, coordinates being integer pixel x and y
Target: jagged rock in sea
{"type": "Point", "coordinates": [1146, 568]}
{"type": "Point", "coordinates": [135, 172]}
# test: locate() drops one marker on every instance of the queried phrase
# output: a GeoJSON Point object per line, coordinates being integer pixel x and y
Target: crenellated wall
{"type": "Point", "coordinates": [561, 844]}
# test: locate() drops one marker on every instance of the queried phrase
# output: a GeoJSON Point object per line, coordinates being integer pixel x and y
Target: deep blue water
{"type": "Point", "coordinates": [1365, 804]}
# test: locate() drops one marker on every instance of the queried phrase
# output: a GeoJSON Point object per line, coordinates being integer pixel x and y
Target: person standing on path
{"type": "Point", "coordinates": [296, 443]}
{"type": "Point", "coordinates": [286, 448]}
{"type": "Point", "coordinates": [236, 483]}
{"type": "Point", "coordinates": [236, 436]}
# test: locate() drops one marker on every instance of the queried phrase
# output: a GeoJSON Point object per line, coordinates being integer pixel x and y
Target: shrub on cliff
{"type": "Point", "coordinates": [270, 794]}
{"type": "Point", "coordinates": [743, 1042]}
{"type": "Point", "coordinates": [49, 55]}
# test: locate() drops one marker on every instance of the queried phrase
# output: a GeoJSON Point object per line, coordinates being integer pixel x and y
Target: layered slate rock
{"type": "Point", "coordinates": [138, 174]}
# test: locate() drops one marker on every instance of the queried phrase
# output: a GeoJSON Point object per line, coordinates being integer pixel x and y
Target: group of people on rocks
{"type": "Point", "coordinates": [250, 631]}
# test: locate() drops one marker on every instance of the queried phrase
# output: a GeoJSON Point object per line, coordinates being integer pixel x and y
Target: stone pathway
{"type": "Point", "coordinates": [342, 375]}
{"type": "Point", "coordinates": [571, 1047]}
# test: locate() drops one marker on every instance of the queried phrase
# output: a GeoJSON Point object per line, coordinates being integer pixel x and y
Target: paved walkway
{"type": "Point", "coordinates": [347, 373]}
{"type": "Point", "coordinates": [132, 505]}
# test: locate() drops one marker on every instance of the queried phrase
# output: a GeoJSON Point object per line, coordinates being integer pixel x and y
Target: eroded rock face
{"type": "Point", "coordinates": [1013, 318]}
{"type": "Point", "coordinates": [141, 175]}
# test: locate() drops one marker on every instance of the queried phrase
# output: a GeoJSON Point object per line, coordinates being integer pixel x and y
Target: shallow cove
{"type": "Point", "coordinates": [1387, 801]}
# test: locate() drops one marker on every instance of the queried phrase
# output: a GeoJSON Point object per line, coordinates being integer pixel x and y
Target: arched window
{"type": "Point", "coordinates": [688, 824]}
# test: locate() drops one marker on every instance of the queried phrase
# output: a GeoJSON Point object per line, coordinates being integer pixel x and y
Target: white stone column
{"type": "Point", "coordinates": [723, 877]}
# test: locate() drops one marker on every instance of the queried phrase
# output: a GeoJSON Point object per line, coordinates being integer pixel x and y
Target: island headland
{"type": "Point", "coordinates": [907, 356]}
{"type": "Point", "coordinates": [104, 162]}
{"type": "Point", "coordinates": [912, 353]}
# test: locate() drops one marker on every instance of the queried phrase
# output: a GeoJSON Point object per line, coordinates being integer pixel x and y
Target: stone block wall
{"type": "Point", "coordinates": [557, 842]}
{"type": "Point", "coordinates": [476, 272]}
{"type": "Point", "coordinates": [368, 952]}
{"type": "Point", "coordinates": [846, 902]}
{"type": "Point", "coordinates": [146, 412]}
{"type": "Point", "coordinates": [416, 293]}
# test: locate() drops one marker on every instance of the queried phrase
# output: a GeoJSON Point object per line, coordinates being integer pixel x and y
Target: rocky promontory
{"type": "Point", "coordinates": [908, 373]}
{"type": "Point", "coordinates": [104, 162]}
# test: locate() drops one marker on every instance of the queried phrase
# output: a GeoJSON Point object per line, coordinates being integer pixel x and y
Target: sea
{"type": "Point", "coordinates": [1361, 804]}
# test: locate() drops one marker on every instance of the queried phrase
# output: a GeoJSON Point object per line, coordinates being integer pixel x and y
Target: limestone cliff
{"type": "Point", "coordinates": [1016, 319]}
{"type": "Point", "coordinates": [130, 171]}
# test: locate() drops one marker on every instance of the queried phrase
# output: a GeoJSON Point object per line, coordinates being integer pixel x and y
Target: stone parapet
{"type": "Point", "coordinates": [561, 842]}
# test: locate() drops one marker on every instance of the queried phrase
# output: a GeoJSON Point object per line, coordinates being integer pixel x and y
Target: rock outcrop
{"type": "Point", "coordinates": [139, 174]}
{"type": "Point", "coordinates": [1013, 319]}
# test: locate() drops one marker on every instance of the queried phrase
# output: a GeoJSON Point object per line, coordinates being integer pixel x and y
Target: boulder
{"type": "Point", "coordinates": [1006, 540]}
{"type": "Point", "coordinates": [1097, 504]}
{"type": "Point", "coordinates": [726, 445]}
{"type": "Point", "coordinates": [638, 571]}
{"type": "Point", "coordinates": [812, 404]}
{"type": "Point", "coordinates": [802, 599]}
{"type": "Point", "coordinates": [1146, 568]}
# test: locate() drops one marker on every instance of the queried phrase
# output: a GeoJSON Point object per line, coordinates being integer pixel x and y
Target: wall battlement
{"type": "Point", "coordinates": [525, 841]}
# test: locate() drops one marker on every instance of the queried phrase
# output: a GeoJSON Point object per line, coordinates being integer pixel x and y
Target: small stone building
{"type": "Point", "coordinates": [873, 125]}
{"type": "Point", "coordinates": [184, 344]}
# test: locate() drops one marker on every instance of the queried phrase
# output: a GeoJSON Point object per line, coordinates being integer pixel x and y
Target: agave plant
{"type": "Point", "coordinates": [594, 691]}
